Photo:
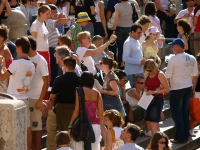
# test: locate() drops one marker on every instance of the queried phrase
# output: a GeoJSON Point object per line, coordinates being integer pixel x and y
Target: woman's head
{"type": "Point", "coordinates": [144, 21]}
{"type": "Point", "coordinates": [113, 118]}
{"type": "Point", "coordinates": [150, 9]}
{"type": "Point", "coordinates": [64, 40]}
{"type": "Point", "coordinates": [44, 12]}
{"type": "Point", "coordinates": [153, 33]}
{"type": "Point", "coordinates": [87, 79]}
{"type": "Point", "coordinates": [138, 82]}
{"type": "Point", "coordinates": [106, 63]}
{"type": "Point", "coordinates": [84, 38]}
{"type": "Point", "coordinates": [150, 66]}
{"type": "Point", "coordinates": [122, 77]}
{"type": "Point", "coordinates": [159, 140]}
{"type": "Point", "coordinates": [4, 32]}
{"type": "Point", "coordinates": [183, 26]}
{"type": "Point", "coordinates": [62, 138]}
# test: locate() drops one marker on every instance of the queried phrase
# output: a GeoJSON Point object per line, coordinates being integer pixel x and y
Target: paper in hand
{"type": "Point", "coordinates": [145, 100]}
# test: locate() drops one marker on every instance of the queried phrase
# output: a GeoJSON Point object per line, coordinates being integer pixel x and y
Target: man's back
{"type": "Point", "coordinates": [130, 146]}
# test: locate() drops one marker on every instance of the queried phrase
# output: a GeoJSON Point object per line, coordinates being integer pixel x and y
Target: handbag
{"type": "Point", "coordinates": [194, 109]}
{"type": "Point", "coordinates": [172, 9]}
{"type": "Point", "coordinates": [81, 127]}
{"type": "Point", "coordinates": [135, 16]}
{"type": "Point", "coordinates": [110, 23]}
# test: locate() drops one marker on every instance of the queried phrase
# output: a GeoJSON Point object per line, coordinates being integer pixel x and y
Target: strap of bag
{"type": "Point", "coordinates": [134, 13]}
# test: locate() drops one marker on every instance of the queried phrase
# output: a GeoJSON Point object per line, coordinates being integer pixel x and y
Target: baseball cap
{"type": "Point", "coordinates": [177, 41]}
{"type": "Point", "coordinates": [153, 30]}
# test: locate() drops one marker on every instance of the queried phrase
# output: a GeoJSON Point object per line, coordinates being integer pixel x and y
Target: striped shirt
{"type": "Point", "coordinates": [53, 32]}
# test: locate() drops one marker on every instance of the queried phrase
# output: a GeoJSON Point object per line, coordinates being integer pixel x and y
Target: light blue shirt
{"type": "Point", "coordinates": [132, 56]}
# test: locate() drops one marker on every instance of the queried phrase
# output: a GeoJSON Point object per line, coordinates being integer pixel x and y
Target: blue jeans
{"type": "Point", "coordinates": [122, 34]}
{"type": "Point", "coordinates": [179, 105]}
{"type": "Point", "coordinates": [89, 28]}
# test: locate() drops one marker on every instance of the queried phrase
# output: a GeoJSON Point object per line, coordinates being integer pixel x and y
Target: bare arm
{"type": "Point", "coordinates": [102, 16]}
{"type": "Point", "coordinates": [4, 76]}
{"type": "Point", "coordinates": [76, 110]}
{"type": "Point", "coordinates": [132, 93]}
{"type": "Point", "coordinates": [194, 82]}
{"type": "Point", "coordinates": [52, 100]}
{"type": "Point", "coordinates": [114, 91]}
{"type": "Point", "coordinates": [93, 10]}
{"type": "Point", "coordinates": [116, 19]}
{"type": "Point", "coordinates": [1, 7]}
{"type": "Point", "coordinates": [38, 104]}
{"type": "Point", "coordinates": [195, 20]}
{"type": "Point", "coordinates": [160, 8]}
{"type": "Point", "coordinates": [8, 9]}
{"type": "Point", "coordinates": [64, 20]}
{"type": "Point", "coordinates": [185, 41]}
{"type": "Point", "coordinates": [108, 15]}
{"type": "Point", "coordinates": [100, 108]}
{"type": "Point", "coordinates": [72, 10]}
{"type": "Point", "coordinates": [108, 140]}
{"type": "Point", "coordinates": [34, 34]}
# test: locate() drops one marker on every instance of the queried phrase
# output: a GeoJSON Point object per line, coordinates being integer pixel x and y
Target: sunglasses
{"type": "Point", "coordinates": [148, 70]}
{"type": "Point", "coordinates": [140, 82]}
{"type": "Point", "coordinates": [125, 80]}
{"type": "Point", "coordinates": [161, 142]}
{"type": "Point", "coordinates": [88, 38]}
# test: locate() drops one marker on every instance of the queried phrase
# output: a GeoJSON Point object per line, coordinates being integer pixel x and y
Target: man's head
{"type": "Point", "coordinates": [97, 40]}
{"type": "Point", "coordinates": [54, 12]}
{"type": "Point", "coordinates": [22, 45]}
{"type": "Point", "coordinates": [136, 31]}
{"type": "Point", "coordinates": [130, 133]}
{"type": "Point", "coordinates": [69, 63]}
{"type": "Point", "coordinates": [177, 45]}
{"type": "Point", "coordinates": [64, 40]}
{"type": "Point", "coordinates": [61, 53]}
{"type": "Point", "coordinates": [189, 3]}
{"type": "Point", "coordinates": [32, 43]}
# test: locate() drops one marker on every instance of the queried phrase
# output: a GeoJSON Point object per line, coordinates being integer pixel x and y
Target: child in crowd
{"type": "Point", "coordinates": [184, 29]}
{"type": "Point", "coordinates": [63, 140]}
{"type": "Point", "coordinates": [150, 45]}
{"type": "Point", "coordinates": [159, 141]}
{"type": "Point", "coordinates": [114, 121]}
{"type": "Point", "coordinates": [4, 51]}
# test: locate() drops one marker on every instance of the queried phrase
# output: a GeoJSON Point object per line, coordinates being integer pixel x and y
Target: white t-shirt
{"type": "Point", "coordinates": [118, 131]}
{"type": "Point", "coordinates": [130, 146]}
{"type": "Point", "coordinates": [87, 61]}
{"type": "Point", "coordinates": [42, 35]}
{"type": "Point", "coordinates": [22, 71]}
{"type": "Point", "coordinates": [41, 70]}
{"type": "Point", "coordinates": [132, 101]}
{"type": "Point", "coordinates": [180, 69]}
{"type": "Point", "coordinates": [189, 19]}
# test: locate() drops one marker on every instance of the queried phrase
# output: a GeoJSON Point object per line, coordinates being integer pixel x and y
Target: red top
{"type": "Point", "coordinates": [154, 84]}
{"type": "Point", "coordinates": [91, 107]}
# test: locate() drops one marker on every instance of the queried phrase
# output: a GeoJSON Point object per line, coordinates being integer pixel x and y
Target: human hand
{"type": "Point", "coordinates": [69, 131]}
{"type": "Point", "coordinates": [142, 62]}
{"type": "Point", "coordinates": [162, 116]}
{"type": "Point", "coordinates": [186, 15]}
{"type": "Point", "coordinates": [38, 104]}
{"type": "Point", "coordinates": [111, 54]}
{"type": "Point", "coordinates": [113, 38]}
{"type": "Point", "coordinates": [150, 92]}
{"type": "Point", "coordinates": [168, 14]}
{"type": "Point", "coordinates": [72, 19]}
{"type": "Point", "coordinates": [61, 15]}
{"type": "Point", "coordinates": [106, 35]}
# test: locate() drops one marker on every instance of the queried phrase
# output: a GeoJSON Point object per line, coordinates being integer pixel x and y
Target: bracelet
{"type": "Point", "coordinates": [164, 11]}
{"type": "Point", "coordinates": [69, 127]}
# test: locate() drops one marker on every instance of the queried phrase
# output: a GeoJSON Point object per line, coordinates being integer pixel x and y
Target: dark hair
{"type": "Point", "coordinates": [4, 31]}
{"type": "Point", "coordinates": [59, 3]}
{"type": "Point", "coordinates": [24, 43]}
{"type": "Point", "coordinates": [134, 130]}
{"type": "Point", "coordinates": [143, 20]}
{"type": "Point", "coordinates": [156, 137]}
{"type": "Point", "coordinates": [96, 38]}
{"type": "Point", "coordinates": [107, 61]}
{"type": "Point", "coordinates": [87, 79]}
{"type": "Point", "coordinates": [150, 9]}
{"type": "Point", "coordinates": [120, 74]}
{"type": "Point", "coordinates": [69, 62]}
{"type": "Point", "coordinates": [52, 6]}
{"type": "Point", "coordinates": [185, 25]}
{"type": "Point", "coordinates": [62, 138]}
{"type": "Point", "coordinates": [135, 26]}
{"type": "Point", "coordinates": [198, 57]}
{"type": "Point", "coordinates": [65, 39]}
{"type": "Point", "coordinates": [115, 117]}
{"type": "Point", "coordinates": [25, 1]}
{"type": "Point", "coordinates": [33, 42]}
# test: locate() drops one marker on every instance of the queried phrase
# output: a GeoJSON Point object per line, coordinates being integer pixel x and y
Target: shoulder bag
{"type": "Point", "coordinates": [135, 16]}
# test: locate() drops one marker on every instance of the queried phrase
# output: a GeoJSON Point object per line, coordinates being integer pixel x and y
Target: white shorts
{"type": "Point", "coordinates": [35, 116]}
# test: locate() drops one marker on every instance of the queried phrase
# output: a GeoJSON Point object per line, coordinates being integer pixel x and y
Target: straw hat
{"type": "Point", "coordinates": [83, 16]}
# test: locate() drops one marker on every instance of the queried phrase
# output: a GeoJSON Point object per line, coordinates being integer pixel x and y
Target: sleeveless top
{"type": "Point", "coordinates": [154, 84]}
{"type": "Point", "coordinates": [91, 109]}
{"type": "Point", "coordinates": [116, 141]}
{"type": "Point", "coordinates": [188, 41]}
{"type": "Point", "coordinates": [150, 52]}
{"type": "Point", "coordinates": [97, 17]}
{"type": "Point", "coordinates": [132, 101]}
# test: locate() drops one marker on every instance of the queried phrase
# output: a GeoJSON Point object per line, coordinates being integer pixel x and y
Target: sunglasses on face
{"type": "Point", "coordinates": [148, 70]}
{"type": "Point", "coordinates": [140, 82]}
{"type": "Point", "coordinates": [125, 80]}
{"type": "Point", "coordinates": [162, 142]}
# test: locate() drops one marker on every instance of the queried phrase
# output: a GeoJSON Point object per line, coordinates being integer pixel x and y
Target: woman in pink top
{"type": "Point", "coordinates": [94, 109]}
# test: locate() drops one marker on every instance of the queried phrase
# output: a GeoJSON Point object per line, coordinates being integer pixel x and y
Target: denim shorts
{"type": "Point", "coordinates": [154, 110]}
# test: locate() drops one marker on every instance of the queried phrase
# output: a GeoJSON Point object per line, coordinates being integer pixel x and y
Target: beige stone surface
{"type": "Point", "coordinates": [13, 125]}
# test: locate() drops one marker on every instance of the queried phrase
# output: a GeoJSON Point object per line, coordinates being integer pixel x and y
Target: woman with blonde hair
{"type": "Point", "coordinates": [159, 141]}
{"type": "Point", "coordinates": [156, 84]}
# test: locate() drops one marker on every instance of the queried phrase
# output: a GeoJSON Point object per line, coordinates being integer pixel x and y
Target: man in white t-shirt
{"type": "Point", "coordinates": [188, 14]}
{"type": "Point", "coordinates": [21, 72]}
{"type": "Point", "coordinates": [182, 74]}
{"type": "Point", "coordinates": [37, 92]}
{"type": "Point", "coordinates": [129, 136]}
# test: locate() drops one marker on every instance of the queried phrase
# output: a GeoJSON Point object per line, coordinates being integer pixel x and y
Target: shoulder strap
{"type": "Point", "coordinates": [112, 131]}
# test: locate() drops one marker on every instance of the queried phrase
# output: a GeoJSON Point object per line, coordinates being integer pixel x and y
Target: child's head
{"type": "Point", "coordinates": [4, 32]}
{"type": "Point", "coordinates": [122, 77]}
{"type": "Point", "coordinates": [113, 118]}
{"type": "Point", "coordinates": [54, 12]}
{"type": "Point", "coordinates": [64, 40]}
{"type": "Point", "coordinates": [97, 40]}
{"type": "Point", "coordinates": [198, 60]}
{"type": "Point", "coordinates": [62, 138]}
{"type": "Point", "coordinates": [22, 45]}
{"type": "Point", "coordinates": [153, 33]}
{"type": "Point", "coordinates": [183, 26]}
{"type": "Point", "coordinates": [33, 42]}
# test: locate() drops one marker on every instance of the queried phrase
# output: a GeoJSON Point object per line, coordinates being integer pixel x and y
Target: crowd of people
{"type": "Point", "coordinates": [89, 50]}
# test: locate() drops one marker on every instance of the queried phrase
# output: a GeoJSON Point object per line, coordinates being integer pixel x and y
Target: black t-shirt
{"type": "Point", "coordinates": [83, 6]}
{"type": "Point", "coordinates": [64, 86]}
